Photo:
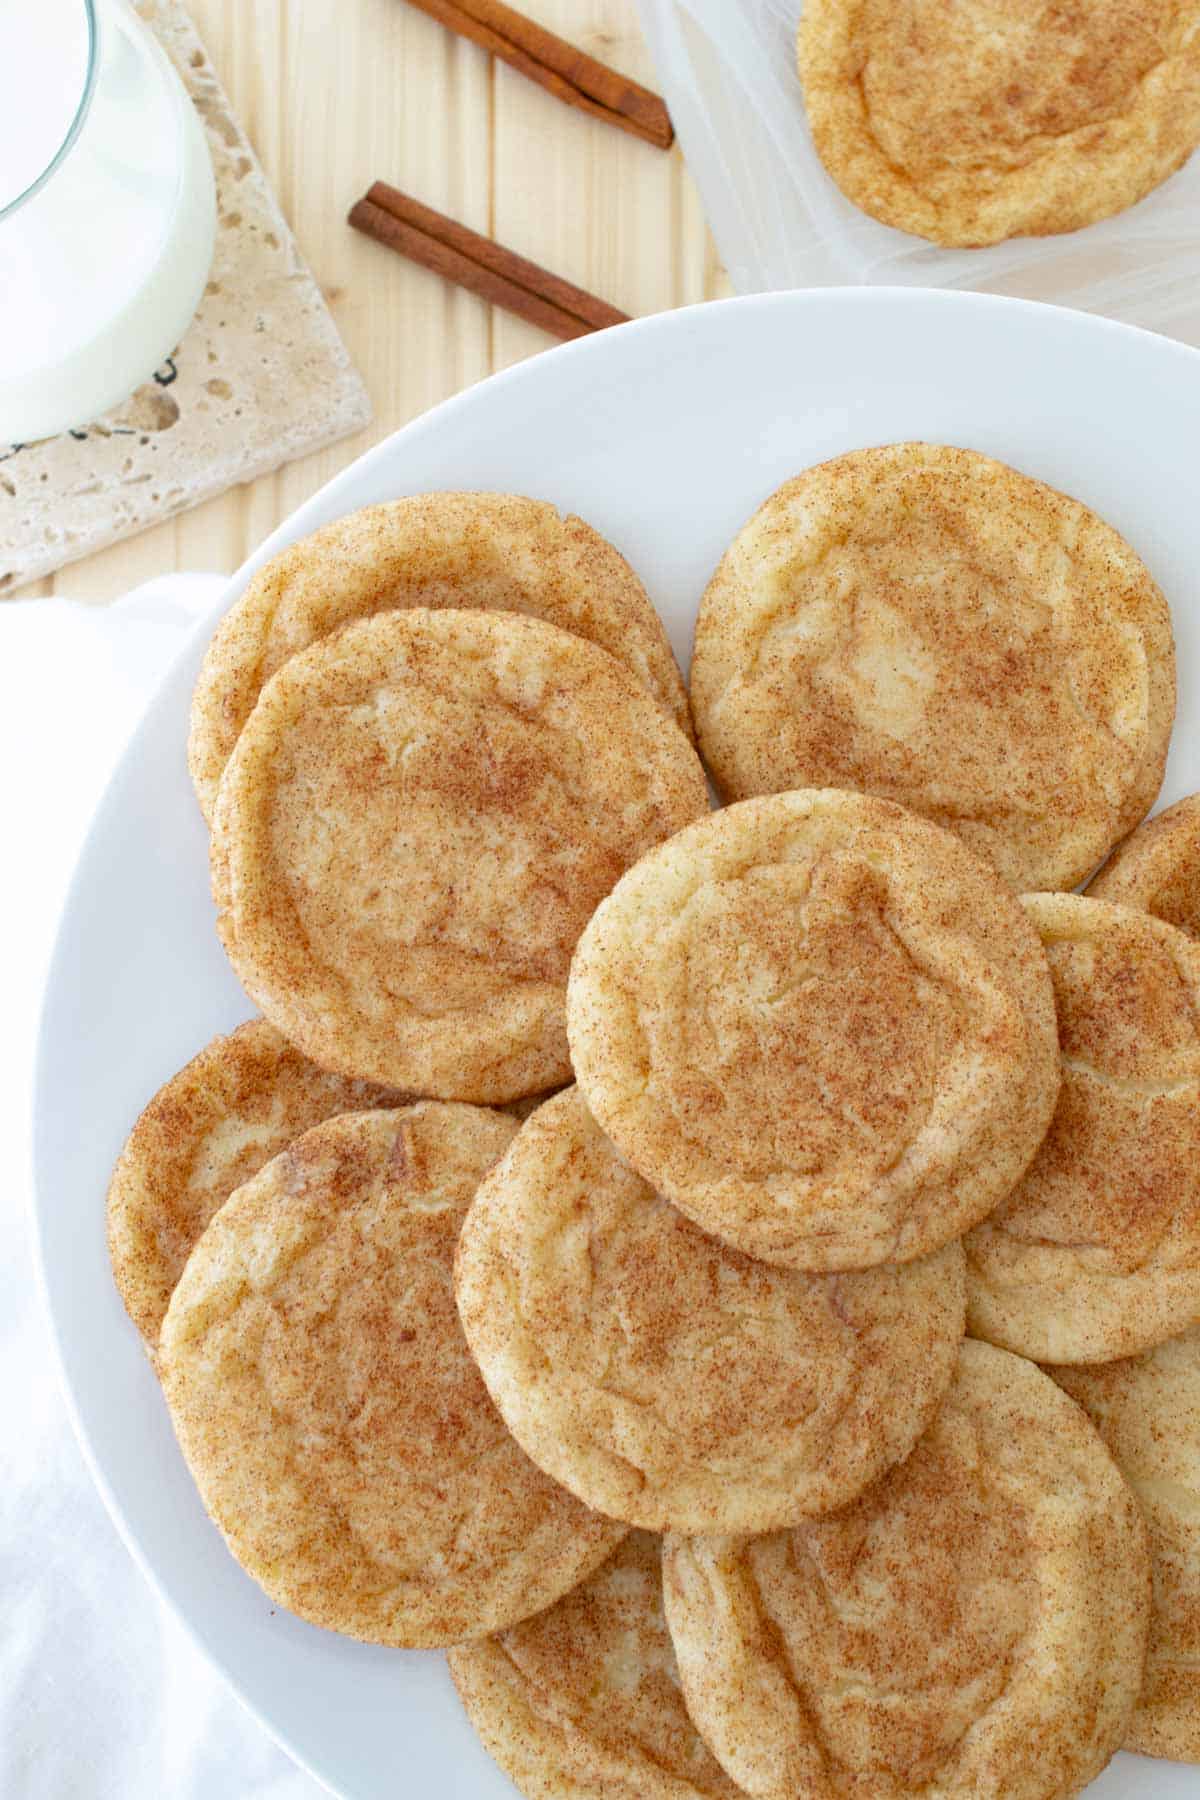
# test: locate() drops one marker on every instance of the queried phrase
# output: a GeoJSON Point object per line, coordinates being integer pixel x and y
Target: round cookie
{"type": "Point", "coordinates": [1158, 868]}
{"type": "Point", "coordinates": [820, 1026]}
{"type": "Point", "coordinates": [328, 1407]}
{"type": "Point", "coordinates": [675, 1383]}
{"type": "Point", "coordinates": [497, 551]}
{"type": "Point", "coordinates": [975, 1624]}
{"type": "Point", "coordinates": [418, 819]}
{"type": "Point", "coordinates": [929, 625]}
{"type": "Point", "coordinates": [210, 1128]}
{"type": "Point", "coordinates": [1028, 117]}
{"type": "Point", "coordinates": [583, 1702]}
{"type": "Point", "coordinates": [1096, 1252]}
{"type": "Point", "coordinates": [1147, 1410]}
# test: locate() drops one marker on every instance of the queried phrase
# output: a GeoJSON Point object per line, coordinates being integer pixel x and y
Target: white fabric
{"type": "Point", "coordinates": [102, 1696]}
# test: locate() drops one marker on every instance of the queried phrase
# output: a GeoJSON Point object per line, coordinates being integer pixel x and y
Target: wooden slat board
{"type": "Point", "coordinates": [337, 92]}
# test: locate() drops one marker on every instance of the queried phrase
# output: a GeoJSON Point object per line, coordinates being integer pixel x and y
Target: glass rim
{"type": "Point", "coordinates": [76, 125]}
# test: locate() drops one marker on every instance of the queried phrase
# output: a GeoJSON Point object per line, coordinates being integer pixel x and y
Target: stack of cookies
{"type": "Point", "coordinates": [572, 1267]}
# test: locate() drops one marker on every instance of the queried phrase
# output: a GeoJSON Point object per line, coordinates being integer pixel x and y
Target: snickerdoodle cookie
{"type": "Point", "coordinates": [975, 1624]}
{"type": "Point", "coordinates": [583, 1702]}
{"type": "Point", "coordinates": [418, 819]}
{"type": "Point", "coordinates": [209, 1129]}
{"type": "Point", "coordinates": [327, 1403]}
{"type": "Point", "coordinates": [1000, 118]}
{"type": "Point", "coordinates": [673, 1382]}
{"type": "Point", "coordinates": [1158, 868]}
{"type": "Point", "coordinates": [499, 551]}
{"type": "Point", "coordinates": [1147, 1410]}
{"type": "Point", "coordinates": [929, 625]}
{"type": "Point", "coordinates": [1096, 1252]}
{"type": "Point", "coordinates": [819, 1025]}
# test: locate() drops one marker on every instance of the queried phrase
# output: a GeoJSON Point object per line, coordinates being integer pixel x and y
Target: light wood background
{"type": "Point", "coordinates": [335, 93]}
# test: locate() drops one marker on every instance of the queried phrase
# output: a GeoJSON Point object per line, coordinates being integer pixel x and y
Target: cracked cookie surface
{"type": "Point", "coordinates": [417, 822]}
{"type": "Point", "coordinates": [1096, 1252]}
{"type": "Point", "coordinates": [974, 1624]}
{"type": "Point", "coordinates": [501, 552]}
{"type": "Point", "coordinates": [327, 1404]}
{"type": "Point", "coordinates": [1019, 118]}
{"type": "Point", "coordinates": [1147, 1410]}
{"type": "Point", "coordinates": [669, 1380]}
{"type": "Point", "coordinates": [237, 1104]}
{"type": "Point", "coordinates": [820, 1026]}
{"type": "Point", "coordinates": [583, 1702]}
{"type": "Point", "coordinates": [927, 624]}
{"type": "Point", "coordinates": [1157, 870]}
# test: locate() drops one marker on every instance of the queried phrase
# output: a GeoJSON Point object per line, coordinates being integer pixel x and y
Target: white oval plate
{"type": "Point", "coordinates": [665, 434]}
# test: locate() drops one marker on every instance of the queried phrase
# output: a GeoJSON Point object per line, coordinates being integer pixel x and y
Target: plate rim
{"type": "Point", "coordinates": [669, 322]}
{"type": "Point", "coordinates": [315, 510]}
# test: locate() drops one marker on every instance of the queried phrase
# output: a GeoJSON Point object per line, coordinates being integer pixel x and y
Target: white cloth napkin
{"type": "Point", "coordinates": [102, 1696]}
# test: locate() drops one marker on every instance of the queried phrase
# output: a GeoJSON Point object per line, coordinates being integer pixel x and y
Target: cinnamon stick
{"type": "Point", "coordinates": [495, 273]}
{"type": "Point", "coordinates": [562, 69]}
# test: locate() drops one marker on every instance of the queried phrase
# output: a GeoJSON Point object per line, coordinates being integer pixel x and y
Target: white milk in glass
{"type": "Point", "coordinates": [107, 211]}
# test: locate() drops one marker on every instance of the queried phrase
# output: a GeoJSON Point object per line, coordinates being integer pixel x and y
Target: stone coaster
{"type": "Point", "coordinates": [260, 378]}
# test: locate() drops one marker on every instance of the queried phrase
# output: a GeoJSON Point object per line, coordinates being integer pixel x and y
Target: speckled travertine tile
{"type": "Point", "coordinates": [260, 378]}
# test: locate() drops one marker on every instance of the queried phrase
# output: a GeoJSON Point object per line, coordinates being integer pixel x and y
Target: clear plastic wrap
{"type": "Point", "coordinates": [728, 70]}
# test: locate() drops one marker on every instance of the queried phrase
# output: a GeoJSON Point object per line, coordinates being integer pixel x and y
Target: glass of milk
{"type": "Point", "coordinates": [107, 211]}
